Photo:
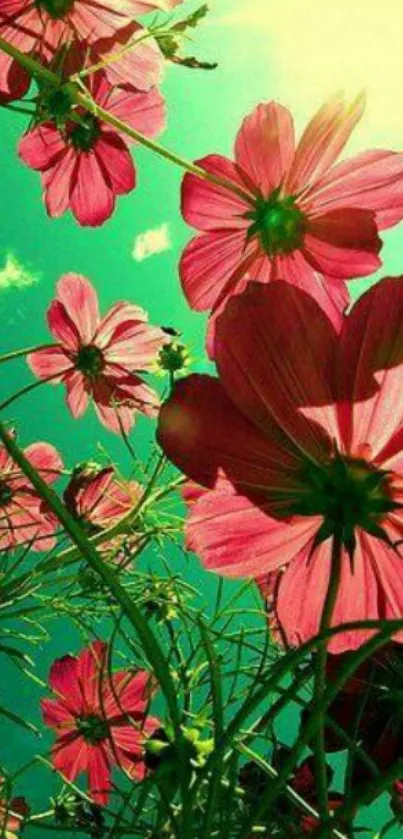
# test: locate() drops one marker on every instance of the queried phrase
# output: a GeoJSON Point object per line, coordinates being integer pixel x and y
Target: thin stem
{"type": "Point", "coordinates": [22, 392]}
{"type": "Point", "coordinates": [150, 644]}
{"type": "Point", "coordinates": [320, 680]}
{"type": "Point", "coordinates": [86, 102]}
{"type": "Point", "coordinates": [26, 351]}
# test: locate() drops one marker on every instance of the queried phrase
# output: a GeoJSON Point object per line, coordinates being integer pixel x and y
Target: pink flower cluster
{"type": "Point", "coordinates": [84, 163]}
{"type": "Point", "coordinates": [297, 446]}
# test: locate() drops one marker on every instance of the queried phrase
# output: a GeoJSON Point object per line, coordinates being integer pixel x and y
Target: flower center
{"type": "Point", "coordinates": [349, 493]}
{"type": "Point", "coordinates": [6, 494]}
{"type": "Point", "coordinates": [90, 361]}
{"type": "Point", "coordinates": [56, 8]}
{"type": "Point", "coordinates": [278, 223]}
{"type": "Point", "coordinates": [85, 134]}
{"type": "Point", "coordinates": [92, 728]}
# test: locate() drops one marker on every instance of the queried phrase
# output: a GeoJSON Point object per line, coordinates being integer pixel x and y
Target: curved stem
{"type": "Point", "coordinates": [26, 351]}
{"type": "Point", "coordinates": [22, 392]}
{"type": "Point", "coordinates": [320, 680]}
{"type": "Point", "coordinates": [150, 644]}
{"type": "Point", "coordinates": [85, 101]}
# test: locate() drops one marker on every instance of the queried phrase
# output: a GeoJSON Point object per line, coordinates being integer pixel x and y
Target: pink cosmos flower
{"type": "Point", "coordinates": [100, 720]}
{"type": "Point", "coordinates": [42, 27]}
{"type": "Point", "coordinates": [23, 517]}
{"type": "Point", "coordinates": [86, 164]}
{"type": "Point", "coordinates": [99, 358]}
{"type": "Point", "coordinates": [12, 814]}
{"type": "Point", "coordinates": [101, 501]}
{"type": "Point", "coordinates": [298, 218]}
{"type": "Point", "coordinates": [299, 438]}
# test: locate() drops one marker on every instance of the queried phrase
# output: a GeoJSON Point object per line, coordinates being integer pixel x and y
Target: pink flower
{"type": "Point", "coordinates": [99, 720]}
{"type": "Point", "coordinates": [100, 501]}
{"type": "Point", "coordinates": [299, 218]}
{"type": "Point", "coordinates": [43, 27]}
{"type": "Point", "coordinates": [12, 814]}
{"type": "Point", "coordinates": [85, 165]}
{"type": "Point", "coordinates": [299, 438]}
{"type": "Point", "coordinates": [24, 520]}
{"type": "Point", "coordinates": [99, 358]}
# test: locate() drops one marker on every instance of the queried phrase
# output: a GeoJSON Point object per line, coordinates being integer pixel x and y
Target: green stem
{"type": "Point", "coordinates": [149, 642]}
{"type": "Point", "coordinates": [26, 351]}
{"type": "Point", "coordinates": [85, 101]}
{"type": "Point", "coordinates": [22, 392]}
{"type": "Point", "coordinates": [320, 680]}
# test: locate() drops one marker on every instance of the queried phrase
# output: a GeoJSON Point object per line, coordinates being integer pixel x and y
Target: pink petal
{"type": "Point", "coordinates": [139, 62]}
{"type": "Point", "coordinates": [56, 715]}
{"type": "Point", "coordinates": [114, 155]}
{"type": "Point", "coordinates": [57, 181]}
{"type": "Point", "coordinates": [46, 461]}
{"type": "Point", "coordinates": [130, 739]}
{"type": "Point", "coordinates": [87, 498]}
{"type": "Point", "coordinates": [264, 145]}
{"type": "Point", "coordinates": [70, 756]}
{"type": "Point", "coordinates": [252, 369]}
{"type": "Point", "coordinates": [91, 671]}
{"type": "Point", "coordinates": [212, 266]}
{"type": "Point", "coordinates": [94, 19]}
{"type": "Point", "coordinates": [129, 693]}
{"type": "Point", "coordinates": [135, 346]}
{"type": "Point", "coordinates": [80, 301]}
{"type": "Point", "coordinates": [371, 359]}
{"type": "Point", "coordinates": [99, 779]}
{"type": "Point", "coordinates": [203, 433]}
{"type": "Point", "coordinates": [42, 147]}
{"type": "Point", "coordinates": [130, 393]}
{"type": "Point", "coordinates": [207, 206]}
{"type": "Point", "coordinates": [92, 198]}
{"type": "Point", "coordinates": [368, 591]}
{"type": "Point", "coordinates": [322, 141]}
{"type": "Point", "coordinates": [236, 537]}
{"type": "Point", "coordinates": [372, 180]}
{"type": "Point", "coordinates": [116, 319]}
{"type": "Point", "coordinates": [63, 681]}
{"type": "Point", "coordinates": [51, 361]}
{"type": "Point", "coordinates": [77, 394]}
{"type": "Point", "coordinates": [330, 293]}
{"type": "Point", "coordinates": [142, 111]}
{"type": "Point", "coordinates": [339, 262]}
{"type": "Point", "coordinates": [62, 327]}
{"type": "Point", "coordinates": [343, 243]}
{"type": "Point", "coordinates": [116, 502]}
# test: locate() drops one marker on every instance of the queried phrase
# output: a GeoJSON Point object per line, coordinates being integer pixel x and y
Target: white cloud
{"type": "Point", "coordinates": [151, 242]}
{"type": "Point", "coordinates": [15, 274]}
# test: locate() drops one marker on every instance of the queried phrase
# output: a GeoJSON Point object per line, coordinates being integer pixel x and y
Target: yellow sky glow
{"type": "Point", "coordinates": [317, 47]}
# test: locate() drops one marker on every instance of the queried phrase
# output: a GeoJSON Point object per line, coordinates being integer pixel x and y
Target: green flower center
{"type": "Point", "coordinates": [90, 361]}
{"type": "Point", "coordinates": [92, 728]}
{"type": "Point", "coordinates": [85, 134]}
{"type": "Point", "coordinates": [349, 493]}
{"type": "Point", "coordinates": [278, 223]}
{"type": "Point", "coordinates": [6, 494]}
{"type": "Point", "coordinates": [57, 9]}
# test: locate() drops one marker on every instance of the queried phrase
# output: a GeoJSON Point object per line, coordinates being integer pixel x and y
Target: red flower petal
{"type": "Point", "coordinates": [265, 371]}
{"type": "Point", "coordinates": [237, 537]}
{"type": "Point", "coordinates": [92, 199]}
{"type": "Point", "coordinates": [322, 141]}
{"type": "Point", "coordinates": [264, 145]}
{"type": "Point", "coordinates": [80, 301]}
{"type": "Point", "coordinates": [208, 206]}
